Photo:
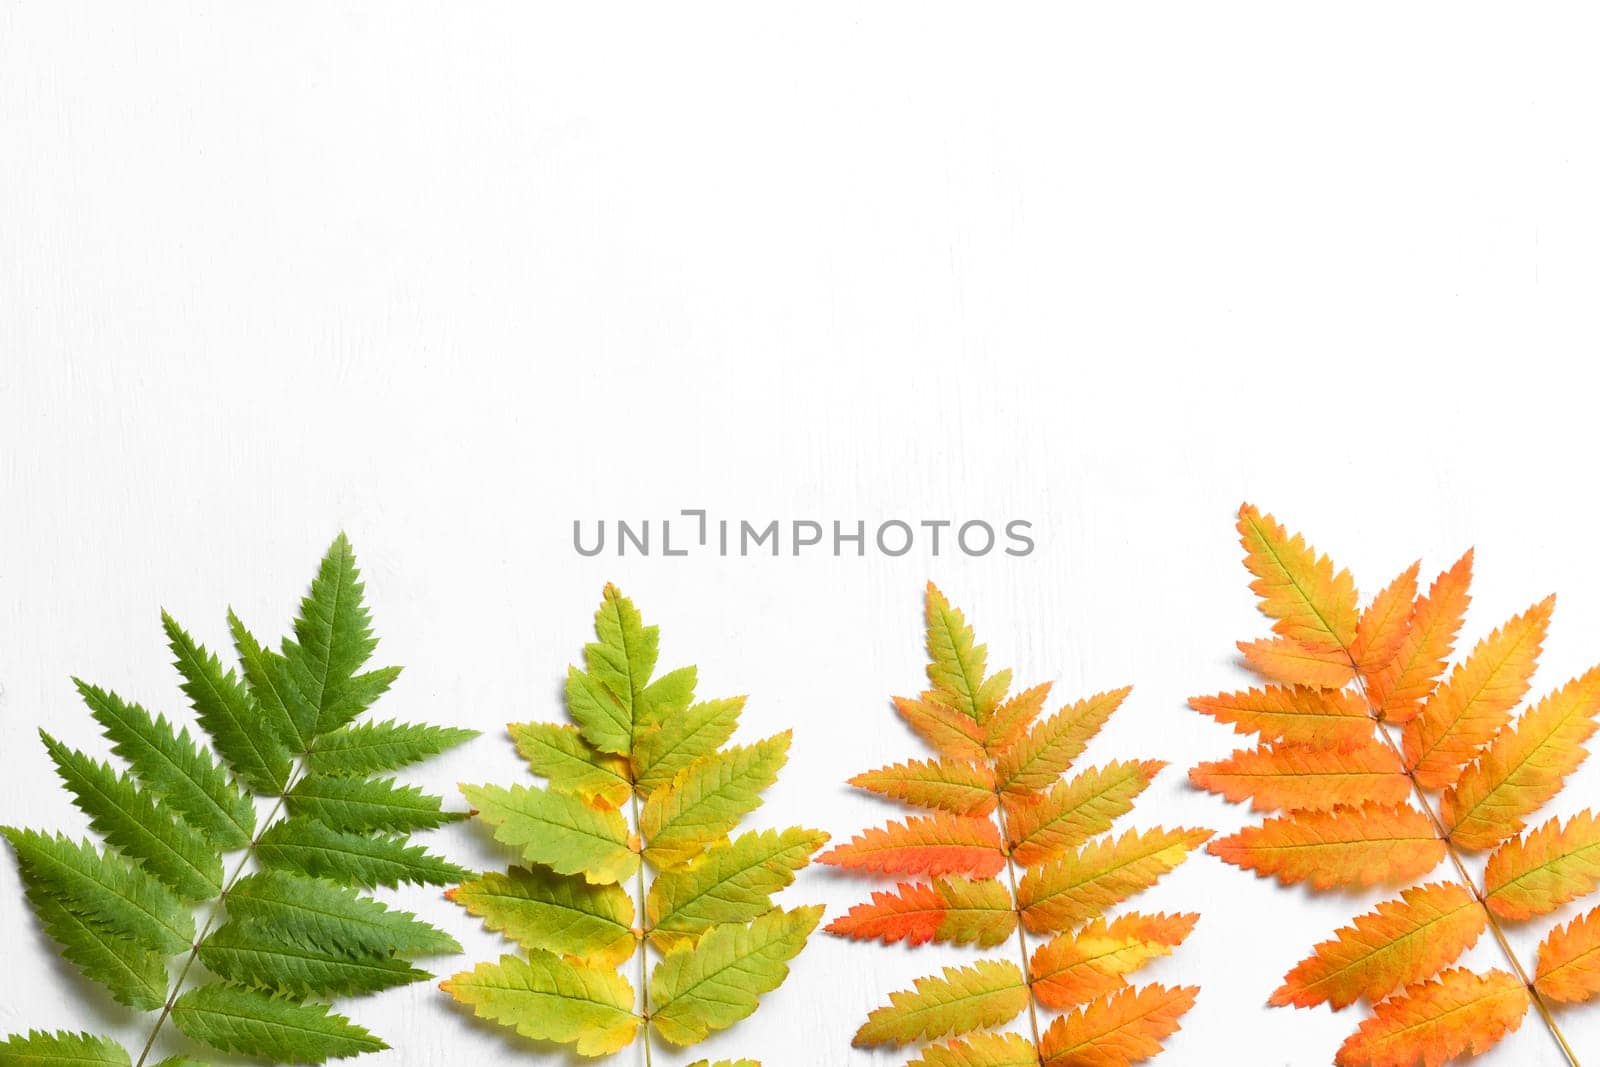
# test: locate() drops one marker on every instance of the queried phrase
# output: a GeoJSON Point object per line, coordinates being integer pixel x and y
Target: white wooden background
{"type": "Point", "coordinates": [450, 276]}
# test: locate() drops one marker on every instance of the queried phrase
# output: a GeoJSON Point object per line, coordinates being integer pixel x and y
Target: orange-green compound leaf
{"type": "Point", "coordinates": [557, 830]}
{"type": "Point", "coordinates": [958, 787]}
{"type": "Point", "coordinates": [926, 844]}
{"type": "Point", "coordinates": [1293, 715]}
{"type": "Point", "coordinates": [1434, 1022]}
{"type": "Point", "coordinates": [1076, 810]}
{"type": "Point", "coordinates": [956, 663]}
{"type": "Point", "coordinates": [1384, 623]}
{"type": "Point", "coordinates": [718, 980]}
{"type": "Point", "coordinates": [945, 730]}
{"type": "Point", "coordinates": [1124, 1028]}
{"type": "Point", "coordinates": [1400, 942]}
{"type": "Point", "coordinates": [1569, 961]}
{"type": "Point", "coordinates": [981, 1050]}
{"type": "Point", "coordinates": [989, 993]}
{"type": "Point", "coordinates": [1076, 968]}
{"type": "Point", "coordinates": [1536, 874]}
{"type": "Point", "coordinates": [1036, 759]}
{"type": "Point", "coordinates": [1308, 777]}
{"type": "Point", "coordinates": [1291, 663]}
{"type": "Point", "coordinates": [1412, 672]}
{"type": "Point", "coordinates": [551, 999]}
{"type": "Point", "coordinates": [1362, 847]}
{"type": "Point", "coordinates": [732, 883]}
{"type": "Point", "coordinates": [1476, 700]}
{"type": "Point", "coordinates": [948, 910]}
{"type": "Point", "coordinates": [1308, 600]}
{"type": "Point", "coordinates": [558, 753]}
{"type": "Point", "coordinates": [541, 910]}
{"type": "Point", "coordinates": [1524, 766]}
{"type": "Point", "coordinates": [1081, 885]}
{"type": "Point", "coordinates": [708, 798]}
{"type": "Point", "coordinates": [1011, 719]}
{"type": "Point", "coordinates": [663, 749]}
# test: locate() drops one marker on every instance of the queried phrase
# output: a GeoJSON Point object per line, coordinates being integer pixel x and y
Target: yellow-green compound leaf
{"type": "Point", "coordinates": [717, 981]}
{"type": "Point", "coordinates": [1076, 809]}
{"type": "Point", "coordinates": [708, 798]}
{"type": "Point", "coordinates": [560, 754]}
{"type": "Point", "coordinates": [37, 1048]}
{"type": "Point", "coordinates": [987, 994]}
{"type": "Point", "coordinates": [732, 883]}
{"type": "Point", "coordinates": [539, 909]}
{"type": "Point", "coordinates": [557, 830]}
{"type": "Point", "coordinates": [667, 747]}
{"type": "Point", "coordinates": [981, 1050]}
{"type": "Point", "coordinates": [1081, 885]}
{"type": "Point", "coordinates": [548, 998]}
{"type": "Point", "coordinates": [242, 1020]}
{"type": "Point", "coordinates": [602, 699]}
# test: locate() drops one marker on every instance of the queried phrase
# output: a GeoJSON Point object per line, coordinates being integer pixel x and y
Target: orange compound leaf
{"type": "Point", "coordinates": [1434, 1022]}
{"type": "Point", "coordinates": [946, 731]}
{"type": "Point", "coordinates": [1476, 700]}
{"type": "Point", "coordinates": [1076, 810]}
{"type": "Point", "coordinates": [1161, 928]}
{"type": "Point", "coordinates": [1337, 848]}
{"type": "Point", "coordinates": [981, 1050]}
{"type": "Point", "coordinates": [1384, 623]}
{"type": "Point", "coordinates": [1430, 637]}
{"type": "Point", "coordinates": [1398, 943]}
{"type": "Point", "coordinates": [1295, 715]}
{"type": "Point", "coordinates": [1308, 778]}
{"type": "Point", "coordinates": [1569, 961]}
{"type": "Point", "coordinates": [1036, 759]}
{"type": "Point", "coordinates": [1524, 766]}
{"type": "Point", "coordinates": [958, 787]}
{"type": "Point", "coordinates": [1310, 603]}
{"type": "Point", "coordinates": [1082, 885]}
{"type": "Point", "coordinates": [1012, 719]}
{"type": "Point", "coordinates": [948, 910]}
{"type": "Point", "coordinates": [1122, 1029]}
{"type": "Point", "coordinates": [1074, 969]}
{"type": "Point", "coordinates": [1289, 662]}
{"type": "Point", "coordinates": [930, 845]}
{"type": "Point", "coordinates": [1551, 866]}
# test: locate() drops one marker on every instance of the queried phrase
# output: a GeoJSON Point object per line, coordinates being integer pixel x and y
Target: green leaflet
{"type": "Point", "coordinates": [383, 746]}
{"type": "Point", "coordinates": [556, 830]}
{"type": "Point", "coordinates": [174, 768]}
{"type": "Point", "coordinates": [547, 998]}
{"type": "Point", "coordinates": [639, 794]}
{"type": "Point", "coordinates": [732, 882]}
{"type": "Point", "coordinates": [541, 909]}
{"type": "Point", "coordinates": [716, 982]}
{"type": "Point", "coordinates": [230, 715]}
{"type": "Point", "coordinates": [279, 962]}
{"type": "Point", "coordinates": [708, 798]}
{"type": "Point", "coordinates": [242, 1020]}
{"type": "Point", "coordinates": [332, 916]}
{"type": "Point", "coordinates": [309, 847]}
{"type": "Point", "coordinates": [37, 1048]}
{"type": "Point", "coordinates": [363, 804]}
{"type": "Point", "coordinates": [138, 824]}
{"type": "Point", "coordinates": [123, 912]}
{"type": "Point", "coordinates": [105, 890]}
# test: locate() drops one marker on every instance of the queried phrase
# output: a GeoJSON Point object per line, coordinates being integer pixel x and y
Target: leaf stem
{"type": "Point", "coordinates": [216, 909]}
{"type": "Point", "coordinates": [1466, 879]}
{"type": "Point", "coordinates": [644, 926]}
{"type": "Point", "coordinates": [1016, 909]}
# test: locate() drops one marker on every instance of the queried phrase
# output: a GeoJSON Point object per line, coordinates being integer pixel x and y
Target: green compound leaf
{"type": "Point", "coordinates": [309, 847]}
{"type": "Point", "coordinates": [708, 798]}
{"type": "Point", "coordinates": [37, 1048]}
{"type": "Point", "coordinates": [717, 981]}
{"type": "Point", "coordinates": [242, 1020]}
{"type": "Point", "coordinates": [280, 962]}
{"type": "Point", "coordinates": [556, 830]}
{"type": "Point", "coordinates": [537, 909]}
{"type": "Point", "coordinates": [134, 976]}
{"type": "Point", "coordinates": [332, 916]}
{"type": "Point", "coordinates": [230, 714]}
{"type": "Point", "coordinates": [174, 768]}
{"type": "Point", "coordinates": [551, 999]}
{"type": "Point", "coordinates": [362, 804]}
{"type": "Point", "coordinates": [371, 748]}
{"type": "Point", "coordinates": [105, 889]}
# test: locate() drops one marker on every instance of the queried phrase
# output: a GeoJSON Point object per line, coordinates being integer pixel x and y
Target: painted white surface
{"type": "Point", "coordinates": [449, 279]}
